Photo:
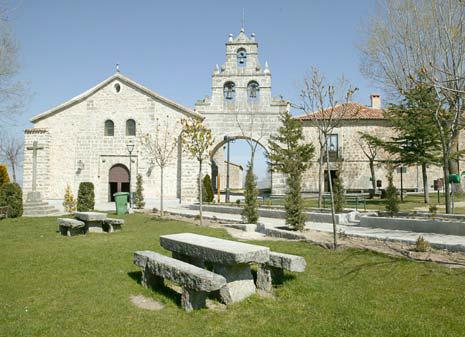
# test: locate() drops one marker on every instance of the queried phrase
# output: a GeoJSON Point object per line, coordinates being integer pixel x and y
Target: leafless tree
{"type": "Point", "coordinates": [327, 106]}
{"type": "Point", "coordinates": [160, 146]}
{"type": "Point", "coordinates": [371, 152]}
{"type": "Point", "coordinates": [422, 40]}
{"type": "Point", "coordinates": [11, 151]}
{"type": "Point", "coordinates": [11, 90]}
{"type": "Point", "coordinates": [251, 126]}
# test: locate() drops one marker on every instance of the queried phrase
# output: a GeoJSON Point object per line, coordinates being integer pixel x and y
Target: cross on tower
{"type": "Point", "coordinates": [34, 149]}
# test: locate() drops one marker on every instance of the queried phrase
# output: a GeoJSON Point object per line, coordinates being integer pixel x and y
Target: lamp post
{"type": "Point", "coordinates": [130, 148]}
{"type": "Point", "coordinates": [227, 139]}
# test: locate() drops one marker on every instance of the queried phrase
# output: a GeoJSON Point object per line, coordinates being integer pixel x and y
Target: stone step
{"type": "Point", "coordinates": [39, 208]}
{"type": "Point", "coordinates": [40, 213]}
{"type": "Point", "coordinates": [36, 203]}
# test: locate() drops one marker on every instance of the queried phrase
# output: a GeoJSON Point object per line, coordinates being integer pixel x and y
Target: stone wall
{"type": "Point", "coordinates": [355, 165]}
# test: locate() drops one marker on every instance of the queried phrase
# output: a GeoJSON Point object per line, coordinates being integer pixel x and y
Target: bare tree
{"type": "Point", "coordinates": [197, 140]}
{"type": "Point", "coordinates": [371, 152]}
{"type": "Point", "coordinates": [251, 126]}
{"type": "Point", "coordinates": [409, 41]}
{"type": "Point", "coordinates": [11, 151]}
{"type": "Point", "coordinates": [11, 90]}
{"type": "Point", "coordinates": [326, 106]}
{"type": "Point", "coordinates": [160, 146]}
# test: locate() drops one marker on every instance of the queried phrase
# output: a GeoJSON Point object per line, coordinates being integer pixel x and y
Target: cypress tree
{"type": "Point", "coordinates": [86, 197]}
{"type": "Point", "coordinates": [207, 194]}
{"type": "Point", "coordinates": [339, 194]}
{"type": "Point", "coordinates": [250, 210]}
{"type": "Point", "coordinates": [290, 155]}
{"type": "Point", "coordinates": [392, 202]}
{"type": "Point", "coordinates": [138, 195]}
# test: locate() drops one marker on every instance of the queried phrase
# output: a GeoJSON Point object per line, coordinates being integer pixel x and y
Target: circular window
{"type": "Point", "coordinates": [117, 87]}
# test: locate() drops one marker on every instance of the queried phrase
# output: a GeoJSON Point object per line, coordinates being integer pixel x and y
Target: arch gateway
{"type": "Point", "coordinates": [241, 105]}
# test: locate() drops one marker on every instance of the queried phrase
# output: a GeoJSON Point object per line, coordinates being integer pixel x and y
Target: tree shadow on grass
{"type": "Point", "coordinates": [166, 290]}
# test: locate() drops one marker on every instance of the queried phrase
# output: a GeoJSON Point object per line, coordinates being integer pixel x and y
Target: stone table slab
{"type": "Point", "coordinates": [215, 250]}
{"type": "Point", "coordinates": [71, 223]}
{"type": "Point", "coordinates": [90, 216]}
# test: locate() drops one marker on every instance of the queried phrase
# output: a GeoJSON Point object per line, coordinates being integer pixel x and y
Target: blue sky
{"type": "Point", "coordinates": [67, 46]}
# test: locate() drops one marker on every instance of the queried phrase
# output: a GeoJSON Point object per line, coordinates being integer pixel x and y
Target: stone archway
{"type": "Point", "coordinates": [118, 180]}
{"type": "Point", "coordinates": [218, 158]}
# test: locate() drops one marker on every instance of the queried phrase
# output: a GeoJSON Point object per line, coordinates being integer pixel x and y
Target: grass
{"type": "Point", "coordinates": [410, 202]}
{"type": "Point", "coordinates": [52, 285]}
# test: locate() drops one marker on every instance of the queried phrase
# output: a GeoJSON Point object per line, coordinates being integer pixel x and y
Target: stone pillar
{"type": "Point", "coordinates": [239, 279]}
{"type": "Point", "coordinates": [193, 299]}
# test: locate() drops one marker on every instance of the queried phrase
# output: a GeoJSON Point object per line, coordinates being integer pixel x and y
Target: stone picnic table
{"type": "Point", "coordinates": [230, 259]}
{"type": "Point", "coordinates": [93, 222]}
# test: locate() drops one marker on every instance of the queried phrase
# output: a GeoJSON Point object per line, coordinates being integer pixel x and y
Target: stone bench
{"type": "Point", "coordinates": [111, 225]}
{"type": "Point", "coordinates": [71, 227]}
{"type": "Point", "coordinates": [195, 282]}
{"type": "Point", "coordinates": [274, 268]}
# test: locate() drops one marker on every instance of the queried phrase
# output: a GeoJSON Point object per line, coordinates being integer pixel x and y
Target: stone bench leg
{"type": "Point", "coordinates": [239, 279]}
{"type": "Point", "coordinates": [193, 299]}
{"type": "Point", "coordinates": [264, 278]}
{"type": "Point", "coordinates": [188, 259]}
{"type": "Point", "coordinates": [265, 275]}
{"type": "Point", "coordinates": [150, 280]}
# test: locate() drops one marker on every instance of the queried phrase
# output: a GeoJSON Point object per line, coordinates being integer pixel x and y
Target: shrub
{"type": "Point", "coordinates": [11, 195]}
{"type": "Point", "coordinates": [86, 197]}
{"type": "Point", "coordinates": [338, 194]}
{"type": "Point", "coordinates": [433, 209]}
{"type": "Point", "coordinates": [4, 178]}
{"type": "Point", "coordinates": [69, 203]}
{"type": "Point", "coordinates": [392, 202]}
{"type": "Point", "coordinates": [138, 195]}
{"type": "Point", "coordinates": [207, 193]}
{"type": "Point", "coordinates": [250, 211]}
{"type": "Point", "coordinates": [421, 245]}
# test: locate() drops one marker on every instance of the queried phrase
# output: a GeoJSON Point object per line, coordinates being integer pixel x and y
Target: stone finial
{"type": "Point", "coordinates": [117, 68]}
{"type": "Point", "coordinates": [230, 38]}
{"type": "Point", "coordinates": [267, 68]}
{"type": "Point", "coordinates": [217, 69]}
{"type": "Point", "coordinates": [252, 36]}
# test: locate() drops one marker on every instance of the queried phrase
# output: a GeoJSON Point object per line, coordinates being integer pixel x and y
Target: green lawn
{"type": "Point", "coordinates": [52, 285]}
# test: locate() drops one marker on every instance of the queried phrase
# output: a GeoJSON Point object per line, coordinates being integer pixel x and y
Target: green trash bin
{"type": "Point", "coordinates": [121, 201]}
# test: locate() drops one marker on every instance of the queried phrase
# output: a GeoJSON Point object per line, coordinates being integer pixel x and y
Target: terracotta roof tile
{"type": "Point", "coordinates": [347, 111]}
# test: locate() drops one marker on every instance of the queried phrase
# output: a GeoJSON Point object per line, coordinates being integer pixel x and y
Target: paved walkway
{"type": "Point", "coordinates": [440, 241]}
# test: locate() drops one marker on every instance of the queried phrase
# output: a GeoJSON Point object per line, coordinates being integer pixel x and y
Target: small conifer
{"type": "Point", "coordinates": [69, 202]}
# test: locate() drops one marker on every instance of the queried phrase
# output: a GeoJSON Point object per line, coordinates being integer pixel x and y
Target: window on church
{"type": "Point", "coordinates": [253, 90]}
{"type": "Point", "coordinates": [130, 127]}
{"type": "Point", "coordinates": [109, 128]}
{"type": "Point", "coordinates": [241, 57]}
{"type": "Point", "coordinates": [229, 90]}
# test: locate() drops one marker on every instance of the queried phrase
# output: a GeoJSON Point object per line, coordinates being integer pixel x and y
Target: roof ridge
{"type": "Point", "coordinates": [81, 97]}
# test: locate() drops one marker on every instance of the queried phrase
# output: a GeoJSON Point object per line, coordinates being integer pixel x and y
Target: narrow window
{"type": "Point", "coordinates": [252, 90]}
{"type": "Point", "coordinates": [241, 57]}
{"type": "Point", "coordinates": [109, 128]}
{"type": "Point", "coordinates": [117, 87]}
{"type": "Point", "coordinates": [229, 91]}
{"type": "Point", "coordinates": [130, 127]}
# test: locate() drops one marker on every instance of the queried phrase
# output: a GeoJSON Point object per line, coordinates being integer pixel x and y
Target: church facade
{"type": "Point", "coordinates": [88, 138]}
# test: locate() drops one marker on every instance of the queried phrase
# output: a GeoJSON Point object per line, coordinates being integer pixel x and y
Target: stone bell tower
{"type": "Point", "coordinates": [241, 105]}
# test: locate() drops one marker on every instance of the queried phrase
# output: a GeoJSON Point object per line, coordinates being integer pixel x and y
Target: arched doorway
{"type": "Point", "coordinates": [118, 180]}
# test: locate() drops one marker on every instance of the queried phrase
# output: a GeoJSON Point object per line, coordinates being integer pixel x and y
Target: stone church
{"type": "Point", "coordinates": [89, 137]}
